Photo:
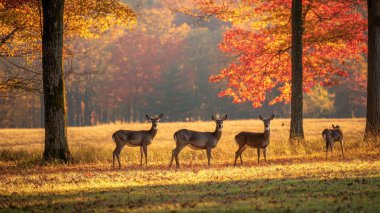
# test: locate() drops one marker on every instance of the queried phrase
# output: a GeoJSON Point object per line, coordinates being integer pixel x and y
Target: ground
{"type": "Point", "coordinates": [296, 177]}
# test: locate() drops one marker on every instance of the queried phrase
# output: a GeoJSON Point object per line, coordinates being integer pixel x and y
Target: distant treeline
{"type": "Point", "coordinates": [162, 67]}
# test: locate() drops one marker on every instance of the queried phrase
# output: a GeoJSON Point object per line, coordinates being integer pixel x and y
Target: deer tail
{"type": "Point", "coordinates": [324, 134]}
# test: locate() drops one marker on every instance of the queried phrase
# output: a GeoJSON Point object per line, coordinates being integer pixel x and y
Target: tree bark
{"type": "Point", "coordinates": [56, 146]}
{"type": "Point", "coordinates": [70, 108]}
{"type": "Point", "coordinates": [42, 112]}
{"type": "Point", "coordinates": [78, 106]}
{"type": "Point", "coordinates": [33, 110]}
{"type": "Point", "coordinates": [296, 123]}
{"type": "Point", "coordinates": [372, 130]}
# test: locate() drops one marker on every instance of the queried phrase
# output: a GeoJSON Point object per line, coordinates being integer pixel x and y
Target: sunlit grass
{"type": "Point", "coordinates": [94, 144]}
{"type": "Point", "coordinates": [293, 179]}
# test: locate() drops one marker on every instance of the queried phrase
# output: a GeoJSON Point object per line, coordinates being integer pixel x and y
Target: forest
{"type": "Point", "coordinates": [189, 106]}
{"type": "Point", "coordinates": [165, 64]}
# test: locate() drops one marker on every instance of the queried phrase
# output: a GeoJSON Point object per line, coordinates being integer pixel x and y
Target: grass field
{"type": "Point", "coordinates": [295, 178]}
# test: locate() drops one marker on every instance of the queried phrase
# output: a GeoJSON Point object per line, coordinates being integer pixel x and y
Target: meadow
{"type": "Point", "coordinates": [296, 177]}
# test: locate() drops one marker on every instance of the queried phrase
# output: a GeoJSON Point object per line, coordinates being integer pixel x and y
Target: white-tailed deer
{"type": "Point", "coordinates": [332, 135]}
{"type": "Point", "coordinates": [141, 138]}
{"type": "Point", "coordinates": [197, 140]}
{"type": "Point", "coordinates": [254, 140]}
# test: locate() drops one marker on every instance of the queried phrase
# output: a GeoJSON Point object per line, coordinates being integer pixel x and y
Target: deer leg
{"type": "Point", "coordinates": [208, 155]}
{"type": "Point", "coordinates": [171, 161]}
{"type": "Point", "coordinates": [342, 148]}
{"type": "Point", "coordinates": [327, 148]}
{"type": "Point", "coordinates": [237, 154]}
{"type": "Point", "coordinates": [118, 157]}
{"type": "Point", "coordinates": [176, 152]}
{"type": "Point", "coordinates": [258, 155]}
{"type": "Point", "coordinates": [265, 154]}
{"type": "Point", "coordinates": [331, 148]}
{"type": "Point", "coordinates": [113, 159]}
{"type": "Point", "coordinates": [241, 152]}
{"type": "Point", "coordinates": [145, 149]}
{"type": "Point", "coordinates": [116, 153]}
{"type": "Point", "coordinates": [141, 155]}
{"type": "Point", "coordinates": [176, 157]}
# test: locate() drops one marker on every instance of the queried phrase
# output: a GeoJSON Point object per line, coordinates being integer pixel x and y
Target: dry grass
{"type": "Point", "coordinates": [94, 144]}
{"type": "Point", "coordinates": [295, 179]}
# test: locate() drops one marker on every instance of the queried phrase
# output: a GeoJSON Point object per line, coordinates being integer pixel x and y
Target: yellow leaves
{"type": "Point", "coordinates": [318, 101]}
{"type": "Point", "coordinates": [82, 19]}
{"type": "Point", "coordinates": [91, 18]}
{"type": "Point", "coordinates": [158, 22]}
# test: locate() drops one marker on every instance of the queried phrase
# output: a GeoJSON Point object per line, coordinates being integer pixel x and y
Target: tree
{"type": "Point", "coordinates": [56, 145]}
{"type": "Point", "coordinates": [21, 32]}
{"type": "Point", "coordinates": [23, 39]}
{"type": "Point", "coordinates": [372, 130]}
{"type": "Point", "coordinates": [259, 43]}
{"type": "Point", "coordinates": [296, 115]}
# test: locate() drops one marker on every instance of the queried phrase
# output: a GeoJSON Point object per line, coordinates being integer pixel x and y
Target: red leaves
{"type": "Point", "coordinates": [334, 34]}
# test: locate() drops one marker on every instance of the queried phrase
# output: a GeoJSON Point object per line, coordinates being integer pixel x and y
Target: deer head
{"type": "Point", "coordinates": [266, 121]}
{"type": "Point", "coordinates": [154, 119]}
{"type": "Point", "coordinates": [219, 122]}
{"type": "Point", "coordinates": [335, 127]}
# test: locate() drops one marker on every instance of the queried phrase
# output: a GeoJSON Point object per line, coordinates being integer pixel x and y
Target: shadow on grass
{"type": "Point", "coordinates": [268, 195]}
{"type": "Point", "coordinates": [30, 167]}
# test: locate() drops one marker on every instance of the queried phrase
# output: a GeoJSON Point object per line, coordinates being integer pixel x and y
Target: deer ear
{"type": "Point", "coordinates": [261, 118]}
{"type": "Point", "coordinates": [160, 116]}
{"type": "Point", "coordinates": [224, 117]}
{"type": "Point", "coordinates": [271, 117]}
{"type": "Point", "coordinates": [147, 116]}
{"type": "Point", "coordinates": [212, 118]}
{"type": "Point", "coordinates": [333, 126]}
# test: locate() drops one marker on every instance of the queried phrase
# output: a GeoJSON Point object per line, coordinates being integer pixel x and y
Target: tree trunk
{"type": "Point", "coordinates": [33, 109]}
{"type": "Point", "coordinates": [372, 129]}
{"type": "Point", "coordinates": [78, 106]}
{"type": "Point", "coordinates": [87, 108]}
{"type": "Point", "coordinates": [70, 108]}
{"type": "Point", "coordinates": [42, 112]}
{"type": "Point", "coordinates": [56, 146]}
{"type": "Point", "coordinates": [296, 123]}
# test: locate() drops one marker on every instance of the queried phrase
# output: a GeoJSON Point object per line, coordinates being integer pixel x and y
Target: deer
{"type": "Point", "coordinates": [254, 140]}
{"type": "Point", "coordinates": [197, 140]}
{"type": "Point", "coordinates": [332, 135]}
{"type": "Point", "coordinates": [142, 138]}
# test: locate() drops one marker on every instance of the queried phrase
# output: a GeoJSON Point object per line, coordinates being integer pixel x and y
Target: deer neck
{"type": "Point", "coordinates": [217, 134]}
{"type": "Point", "coordinates": [152, 132]}
{"type": "Point", "coordinates": [266, 134]}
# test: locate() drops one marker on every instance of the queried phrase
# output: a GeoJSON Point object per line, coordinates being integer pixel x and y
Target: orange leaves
{"type": "Point", "coordinates": [334, 34]}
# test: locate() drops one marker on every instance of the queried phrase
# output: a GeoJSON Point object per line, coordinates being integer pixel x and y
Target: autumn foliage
{"type": "Point", "coordinates": [82, 19]}
{"type": "Point", "coordinates": [260, 38]}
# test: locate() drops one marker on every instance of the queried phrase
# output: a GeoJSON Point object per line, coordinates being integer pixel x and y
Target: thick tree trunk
{"type": "Point", "coordinates": [56, 146]}
{"type": "Point", "coordinates": [42, 112]}
{"type": "Point", "coordinates": [296, 123]}
{"type": "Point", "coordinates": [372, 130]}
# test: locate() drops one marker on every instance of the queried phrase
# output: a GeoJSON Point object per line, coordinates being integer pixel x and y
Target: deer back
{"type": "Point", "coordinates": [133, 138]}
{"type": "Point", "coordinates": [195, 139]}
{"type": "Point", "coordinates": [253, 139]}
{"type": "Point", "coordinates": [332, 135]}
